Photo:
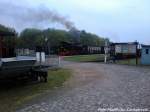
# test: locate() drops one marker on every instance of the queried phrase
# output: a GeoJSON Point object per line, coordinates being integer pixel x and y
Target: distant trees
{"type": "Point", "coordinates": [31, 37]}
{"type": "Point", "coordinates": [9, 42]}
{"type": "Point", "coordinates": [54, 37]}
{"type": "Point", "coordinates": [91, 39]}
{"type": "Point", "coordinates": [4, 28]}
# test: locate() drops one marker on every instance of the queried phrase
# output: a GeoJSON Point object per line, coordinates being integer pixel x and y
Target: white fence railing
{"type": "Point", "coordinates": [50, 60]}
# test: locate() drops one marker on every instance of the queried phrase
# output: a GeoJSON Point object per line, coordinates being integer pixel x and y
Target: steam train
{"type": "Point", "coordinates": [67, 49]}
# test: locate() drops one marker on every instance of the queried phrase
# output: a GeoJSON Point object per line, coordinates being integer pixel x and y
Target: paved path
{"type": "Point", "coordinates": [95, 86]}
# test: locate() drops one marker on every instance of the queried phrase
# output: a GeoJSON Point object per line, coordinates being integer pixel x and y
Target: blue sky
{"type": "Point", "coordinates": [119, 20]}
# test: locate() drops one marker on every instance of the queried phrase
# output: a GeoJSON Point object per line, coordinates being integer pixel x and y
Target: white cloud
{"type": "Point", "coordinates": [93, 5]}
{"type": "Point", "coordinates": [122, 19]}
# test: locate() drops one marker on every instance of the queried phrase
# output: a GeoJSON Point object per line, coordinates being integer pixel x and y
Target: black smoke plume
{"type": "Point", "coordinates": [22, 17]}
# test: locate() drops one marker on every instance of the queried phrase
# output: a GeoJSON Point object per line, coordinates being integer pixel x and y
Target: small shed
{"type": "Point", "coordinates": [145, 55]}
{"type": "Point", "coordinates": [124, 50]}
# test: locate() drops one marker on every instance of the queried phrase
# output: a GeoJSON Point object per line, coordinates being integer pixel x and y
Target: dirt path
{"type": "Point", "coordinates": [96, 86]}
{"type": "Point", "coordinates": [82, 74]}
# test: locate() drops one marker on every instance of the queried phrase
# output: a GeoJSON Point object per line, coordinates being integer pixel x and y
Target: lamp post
{"type": "Point", "coordinates": [46, 39]}
{"type": "Point", "coordinates": [136, 52]}
{"type": "Point", "coordinates": [47, 45]}
{"type": "Point", "coordinates": [106, 50]}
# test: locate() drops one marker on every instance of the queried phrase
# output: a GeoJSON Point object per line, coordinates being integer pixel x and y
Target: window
{"type": "Point", "coordinates": [147, 51]}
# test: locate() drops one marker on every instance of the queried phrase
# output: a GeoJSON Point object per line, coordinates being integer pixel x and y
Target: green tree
{"type": "Point", "coordinates": [30, 38]}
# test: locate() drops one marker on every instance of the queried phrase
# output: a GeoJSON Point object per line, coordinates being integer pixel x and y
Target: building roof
{"type": "Point", "coordinates": [6, 33]}
{"type": "Point", "coordinates": [125, 43]}
{"type": "Point", "coordinates": [145, 45]}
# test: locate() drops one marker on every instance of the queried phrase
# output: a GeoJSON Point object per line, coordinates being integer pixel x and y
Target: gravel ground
{"type": "Point", "coordinates": [97, 86]}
